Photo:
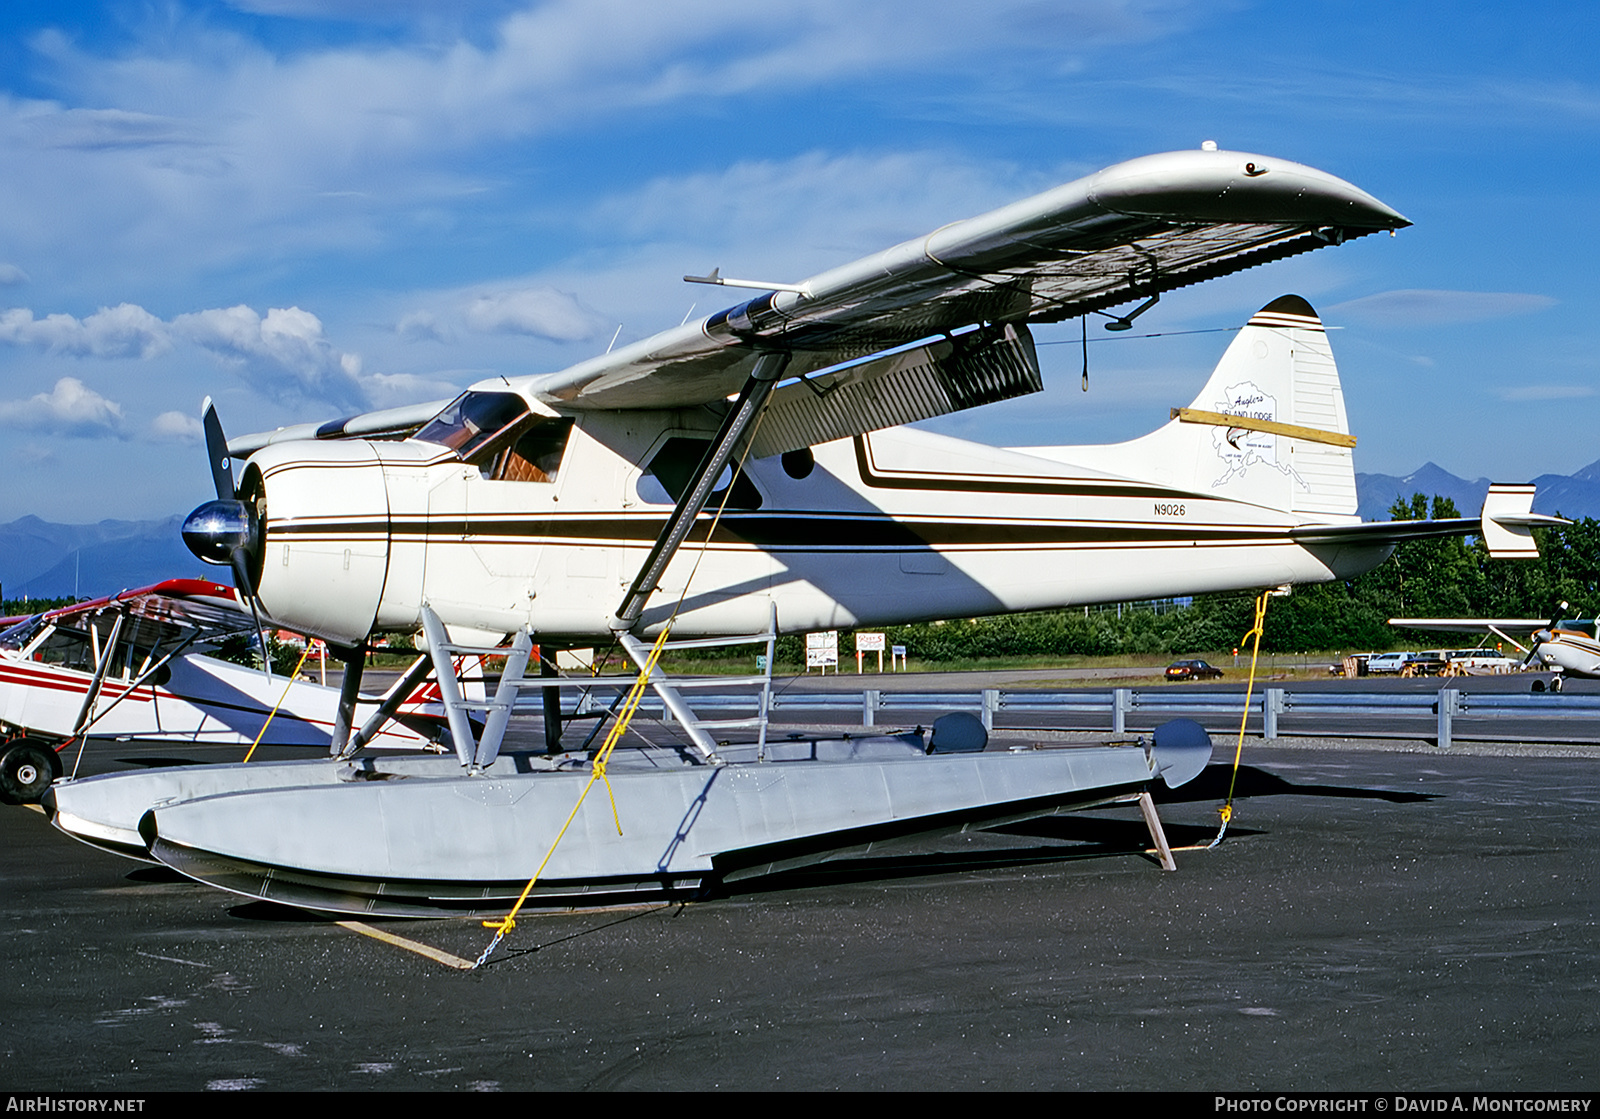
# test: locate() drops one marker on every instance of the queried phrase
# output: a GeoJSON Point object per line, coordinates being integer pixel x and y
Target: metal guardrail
{"type": "Point", "coordinates": [1268, 706]}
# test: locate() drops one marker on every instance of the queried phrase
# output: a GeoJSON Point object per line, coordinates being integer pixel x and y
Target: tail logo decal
{"type": "Point", "coordinates": [1240, 448]}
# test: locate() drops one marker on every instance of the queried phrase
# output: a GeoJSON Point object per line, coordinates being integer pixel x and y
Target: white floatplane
{"type": "Point", "coordinates": [748, 473]}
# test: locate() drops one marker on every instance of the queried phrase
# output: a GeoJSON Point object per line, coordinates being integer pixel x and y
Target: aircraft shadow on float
{"type": "Point", "coordinates": [749, 474]}
{"type": "Point", "coordinates": [1216, 781]}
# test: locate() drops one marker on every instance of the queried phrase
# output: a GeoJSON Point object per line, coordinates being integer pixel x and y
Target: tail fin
{"type": "Point", "coordinates": [1279, 377]}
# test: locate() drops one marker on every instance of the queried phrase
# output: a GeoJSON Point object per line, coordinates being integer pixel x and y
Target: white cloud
{"type": "Point", "coordinates": [121, 331]}
{"type": "Point", "coordinates": [71, 408]}
{"type": "Point", "coordinates": [287, 340]}
{"type": "Point", "coordinates": [176, 427]}
{"type": "Point", "coordinates": [422, 326]}
{"type": "Point", "coordinates": [205, 145]}
{"type": "Point", "coordinates": [391, 390]}
{"type": "Point", "coordinates": [542, 312]}
{"type": "Point", "coordinates": [1424, 308]}
{"type": "Point", "coordinates": [10, 274]}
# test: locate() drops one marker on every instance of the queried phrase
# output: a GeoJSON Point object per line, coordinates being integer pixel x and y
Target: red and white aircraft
{"type": "Point", "coordinates": [134, 665]}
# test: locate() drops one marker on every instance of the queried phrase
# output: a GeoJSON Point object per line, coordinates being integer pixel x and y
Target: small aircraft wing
{"type": "Point", "coordinates": [1472, 625]}
{"type": "Point", "coordinates": [208, 610]}
{"type": "Point", "coordinates": [1129, 232]}
{"type": "Point", "coordinates": [1503, 628]}
{"type": "Point", "coordinates": [1126, 233]}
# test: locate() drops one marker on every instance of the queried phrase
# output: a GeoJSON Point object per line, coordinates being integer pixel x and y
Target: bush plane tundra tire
{"type": "Point", "coordinates": [26, 769]}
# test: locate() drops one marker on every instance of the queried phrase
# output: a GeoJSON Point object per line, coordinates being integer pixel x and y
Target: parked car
{"type": "Point", "coordinates": [1482, 662]}
{"type": "Point", "coordinates": [1192, 670]}
{"type": "Point", "coordinates": [1380, 664]}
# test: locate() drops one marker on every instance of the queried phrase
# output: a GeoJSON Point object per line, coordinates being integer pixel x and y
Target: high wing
{"type": "Point", "coordinates": [1473, 625]}
{"type": "Point", "coordinates": [158, 612]}
{"type": "Point", "coordinates": [1132, 231]}
{"type": "Point", "coordinates": [194, 604]}
{"type": "Point", "coordinates": [1129, 232]}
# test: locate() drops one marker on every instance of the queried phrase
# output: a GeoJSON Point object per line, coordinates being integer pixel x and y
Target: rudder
{"type": "Point", "coordinates": [1278, 369]}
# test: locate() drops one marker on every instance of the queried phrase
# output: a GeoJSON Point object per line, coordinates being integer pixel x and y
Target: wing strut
{"type": "Point", "coordinates": [752, 399]}
{"type": "Point", "coordinates": [355, 660]}
{"type": "Point", "coordinates": [415, 675]}
{"type": "Point", "coordinates": [95, 684]}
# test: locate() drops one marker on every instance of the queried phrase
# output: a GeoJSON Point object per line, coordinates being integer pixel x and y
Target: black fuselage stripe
{"type": "Point", "coordinates": [777, 532]}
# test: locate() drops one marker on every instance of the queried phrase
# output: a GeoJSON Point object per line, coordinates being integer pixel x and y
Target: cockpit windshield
{"type": "Point", "coordinates": [18, 636]}
{"type": "Point", "coordinates": [473, 419]}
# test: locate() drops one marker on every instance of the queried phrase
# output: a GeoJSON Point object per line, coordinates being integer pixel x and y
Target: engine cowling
{"type": "Point", "coordinates": [325, 532]}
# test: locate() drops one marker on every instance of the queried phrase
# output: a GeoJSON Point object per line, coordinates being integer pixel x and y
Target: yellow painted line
{"type": "Point", "coordinates": [435, 954]}
{"type": "Point", "coordinates": [1272, 427]}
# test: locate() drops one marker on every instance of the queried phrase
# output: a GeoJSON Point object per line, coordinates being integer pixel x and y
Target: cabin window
{"type": "Point", "coordinates": [667, 477]}
{"type": "Point", "coordinates": [473, 420]}
{"type": "Point", "coordinates": [68, 648]}
{"type": "Point", "coordinates": [534, 457]}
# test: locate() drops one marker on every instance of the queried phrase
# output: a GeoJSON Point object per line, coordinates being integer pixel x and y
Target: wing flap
{"type": "Point", "coordinates": [981, 367]}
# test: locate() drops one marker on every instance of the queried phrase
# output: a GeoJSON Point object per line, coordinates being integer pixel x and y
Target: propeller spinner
{"type": "Point", "coordinates": [227, 531]}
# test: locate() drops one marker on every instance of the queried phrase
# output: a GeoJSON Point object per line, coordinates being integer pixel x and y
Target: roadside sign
{"type": "Point", "coordinates": [822, 649]}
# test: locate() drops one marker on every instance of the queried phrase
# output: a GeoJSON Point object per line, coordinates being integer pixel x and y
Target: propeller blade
{"type": "Point", "coordinates": [217, 451]}
{"type": "Point", "coordinates": [242, 584]}
{"type": "Point", "coordinates": [1540, 636]}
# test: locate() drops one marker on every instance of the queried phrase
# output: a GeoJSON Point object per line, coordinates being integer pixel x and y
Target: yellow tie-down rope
{"type": "Point", "coordinates": [251, 752]}
{"type": "Point", "coordinates": [597, 772]}
{"type": "Point", "coordinates": [1254, 637]}
{"type": "Point", "coordinates": [597, 769]}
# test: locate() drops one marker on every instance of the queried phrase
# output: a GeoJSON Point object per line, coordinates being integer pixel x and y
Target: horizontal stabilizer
{"type": "Point", "coordinates": [1504, 526]}
{"type": "Point", "coordinates": [1508, 518]}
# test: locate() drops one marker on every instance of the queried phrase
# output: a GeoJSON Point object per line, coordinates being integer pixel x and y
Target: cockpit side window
{"type": "Point", "coordinates": [68, 648]}
{"type": "Point", "coordinates": [18, 636]}
{"type": "Point", "coordinates": [473, 420]}
{"type": "Point", "coordinates": [667, 476]}
{"type": "Point", "coordinates": [535, 456]}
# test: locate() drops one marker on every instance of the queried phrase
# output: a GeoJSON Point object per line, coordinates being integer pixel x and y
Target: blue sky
{"type": "Point", "coordinates": [305, 208]}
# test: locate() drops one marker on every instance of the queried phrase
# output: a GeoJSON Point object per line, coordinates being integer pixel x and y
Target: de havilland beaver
{"type": "Point", "coordinates": [750, 473]}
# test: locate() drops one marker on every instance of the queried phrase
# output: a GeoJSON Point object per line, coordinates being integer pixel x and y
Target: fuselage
{"type": "Point", "coordinates": [891, 527]}
{"type": "Point", "coordinates": [1570, 646]}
